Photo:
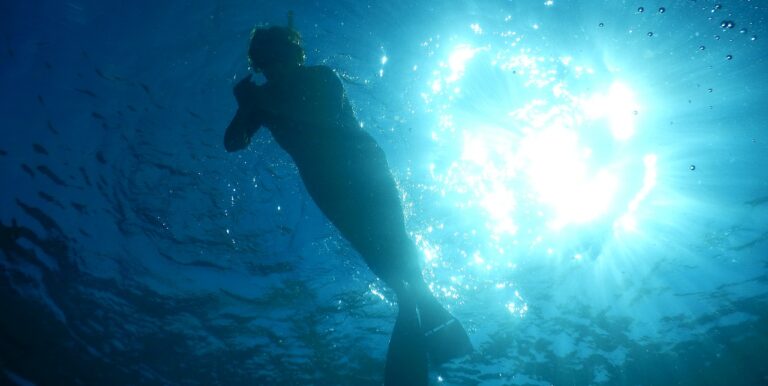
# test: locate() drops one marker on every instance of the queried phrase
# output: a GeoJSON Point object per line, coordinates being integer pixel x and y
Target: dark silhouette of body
{"type": "Point", "coordinates": [346, 173]}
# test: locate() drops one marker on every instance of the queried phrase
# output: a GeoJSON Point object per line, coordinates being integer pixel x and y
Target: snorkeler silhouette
{"type": "Point", "coordinates": [346, 173]}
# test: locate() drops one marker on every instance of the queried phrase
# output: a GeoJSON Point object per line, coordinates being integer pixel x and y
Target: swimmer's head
{"type": "Point", "coordinates": [275, 47]}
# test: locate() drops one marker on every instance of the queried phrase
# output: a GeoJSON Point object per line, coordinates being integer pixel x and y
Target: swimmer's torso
{"type": "Point", "coordinates": [308, 106]}
{"type": "Point", "coordinates": [314, 122]}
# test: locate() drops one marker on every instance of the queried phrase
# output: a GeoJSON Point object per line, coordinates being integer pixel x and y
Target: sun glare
{"type": "Point", "coordinates": [545, 159]}
{"type": "Point", "coordinates": [457, 61]}
{"type": "Point", "coordinates": [618, 106]}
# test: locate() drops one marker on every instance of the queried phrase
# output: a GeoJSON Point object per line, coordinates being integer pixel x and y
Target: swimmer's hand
{"type": "Point", "coordinates": [246, 92]}
{"type": "Point", "coordinates": [247, 119]}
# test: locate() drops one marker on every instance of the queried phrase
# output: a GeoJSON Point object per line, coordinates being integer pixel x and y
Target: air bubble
{"type": "Point", "coordinates": [743, 31]}
{"type": "Point", "coordinates": [640, 9]}
{"type": "Point", "coordinates": [728, 57]}
{"type": "Point", "coordinates": [692, 167]}
{"type": "Point", "coordinates": [662, 10]}
{"type": "Point", "coordinates": [717, 7]}
{"type": "Point", "coordinates": [650, 34]}
{"type": "Point", "coordinates": [702, 48]}
{"type": "Point", "coordinates": [601, 25]}
{"type": "Point", "coordinates": [717, 37]}
{"type": "Point", "coordinates": [753, 38]}
{"type": "Point", "coordinates": [727, 24]}
{"type": "Point", "coordinates": [709, 90]}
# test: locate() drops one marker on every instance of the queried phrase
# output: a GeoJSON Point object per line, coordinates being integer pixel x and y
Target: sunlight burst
{"type": "Point", "coordinates": [544, 159]}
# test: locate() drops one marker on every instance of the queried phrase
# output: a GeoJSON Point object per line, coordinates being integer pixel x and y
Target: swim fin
{"type": "Point", "coordinates": [444, 337]}
{"type": "Point", "coordinates": [406, 355]}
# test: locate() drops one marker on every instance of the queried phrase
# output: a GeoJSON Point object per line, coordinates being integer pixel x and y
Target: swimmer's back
{"type": "Point", "coordinates": [311, 96]}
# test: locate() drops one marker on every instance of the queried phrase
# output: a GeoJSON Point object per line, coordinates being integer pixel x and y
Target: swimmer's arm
{"type": "Point", "coordinates": [241, 129]}
{"type": "Point", "coordinates": [247, 120]}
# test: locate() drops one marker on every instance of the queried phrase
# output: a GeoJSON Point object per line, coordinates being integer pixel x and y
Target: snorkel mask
{"type": "Point", "coordinates": [273, 45]}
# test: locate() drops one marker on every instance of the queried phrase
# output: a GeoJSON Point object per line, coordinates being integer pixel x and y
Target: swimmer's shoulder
{"type": "Point", "coordinates": [322, 73]}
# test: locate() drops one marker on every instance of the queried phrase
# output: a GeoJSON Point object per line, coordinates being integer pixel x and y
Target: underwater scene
{"type": "Point", "coordinates": [586, 183]}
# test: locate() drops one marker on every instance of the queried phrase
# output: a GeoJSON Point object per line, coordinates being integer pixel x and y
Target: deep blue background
{"type": "Point", "coordinates": [144, 254]}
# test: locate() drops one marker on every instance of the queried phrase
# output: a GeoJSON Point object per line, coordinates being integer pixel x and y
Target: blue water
{"type": "Point", "coordinates": [588, 182]}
